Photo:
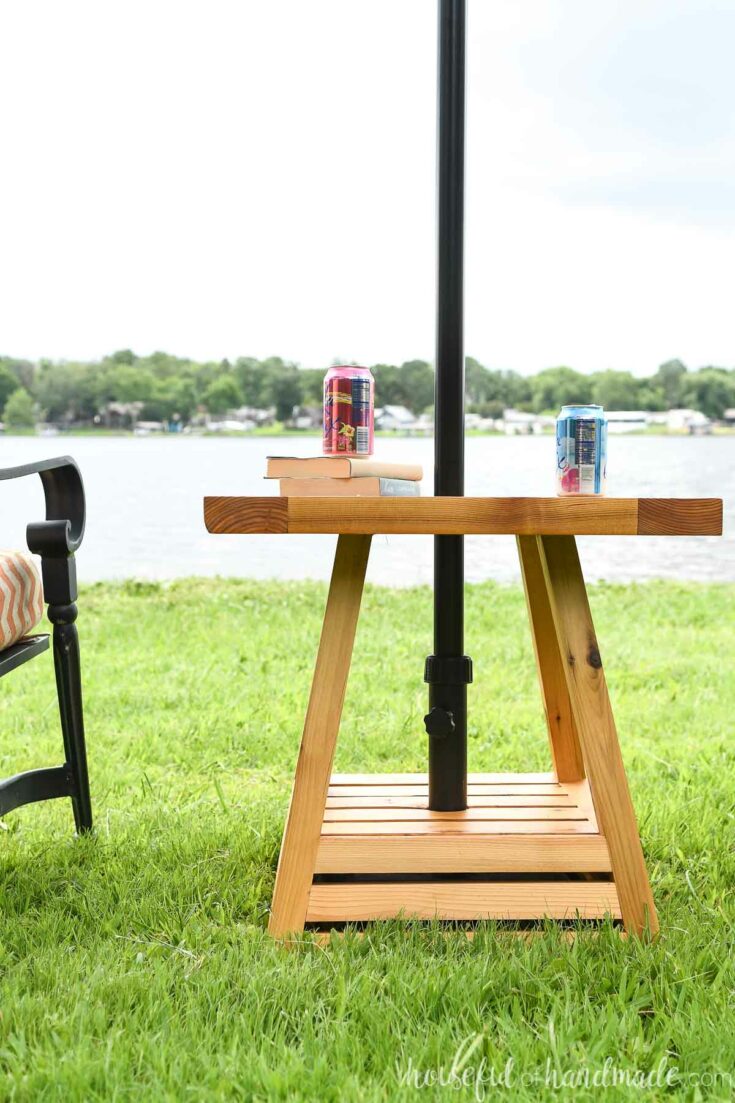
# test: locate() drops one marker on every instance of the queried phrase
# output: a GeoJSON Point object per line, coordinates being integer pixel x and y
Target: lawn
{"type": "Point", "coordinates": [136, 965]}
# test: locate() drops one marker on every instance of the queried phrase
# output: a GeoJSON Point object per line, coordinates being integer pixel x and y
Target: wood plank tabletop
{"type": "Point", "coordinates": [573, 516]}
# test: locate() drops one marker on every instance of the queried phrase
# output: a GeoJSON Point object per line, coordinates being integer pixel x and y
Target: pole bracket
{"type": "Point", "coordinates": [443, 670]}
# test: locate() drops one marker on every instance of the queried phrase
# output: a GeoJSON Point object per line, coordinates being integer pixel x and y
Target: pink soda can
{"type": "Point", "coordinates": [349, 400]}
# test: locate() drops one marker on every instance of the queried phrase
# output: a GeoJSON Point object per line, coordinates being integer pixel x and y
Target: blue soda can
{"type": "Point", "coordinates": [362, 411]}
{"type": "Point", "coordinates": [581, 450]}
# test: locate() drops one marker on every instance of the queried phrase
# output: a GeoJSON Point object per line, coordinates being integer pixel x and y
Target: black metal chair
{"type": "Point", "coordinates": [56, 539]}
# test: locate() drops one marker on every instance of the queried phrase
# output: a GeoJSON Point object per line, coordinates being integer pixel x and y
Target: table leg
{"type": "Point", "coordinates": [565, 748]}
{"type": "Point", "coordinates": [595, 726]}
{"type": "Point", "coordinates": [311, 781]}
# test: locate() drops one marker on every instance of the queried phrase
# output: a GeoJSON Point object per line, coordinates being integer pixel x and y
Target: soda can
{"type": "Point", "coordinates": [581, 450]}
{"type": "Point", "coordinates": [349, 397]}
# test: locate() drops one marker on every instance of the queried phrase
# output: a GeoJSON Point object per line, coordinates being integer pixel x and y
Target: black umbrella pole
{"type": "Point", "coordinates": [449, 670]}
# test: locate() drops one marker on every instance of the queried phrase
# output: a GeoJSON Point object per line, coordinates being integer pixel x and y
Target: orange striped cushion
{"type": "Point", "coordinates": [21, 597]}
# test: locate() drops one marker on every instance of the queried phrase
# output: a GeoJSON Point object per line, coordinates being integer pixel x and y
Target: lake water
{"type": "Point", "coordinates": [144, 506]}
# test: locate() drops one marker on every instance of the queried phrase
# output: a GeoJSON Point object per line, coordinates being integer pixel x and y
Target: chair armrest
{"type": "Point", "coordinates": [58, 537]}
{"type": "Point", "coordinates": [62, 531]}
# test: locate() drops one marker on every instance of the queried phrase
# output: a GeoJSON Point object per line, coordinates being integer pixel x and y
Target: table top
{"type": "Point", "coordinates": [574, 516]}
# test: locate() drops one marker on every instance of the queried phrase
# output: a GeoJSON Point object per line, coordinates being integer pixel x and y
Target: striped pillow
{"type": "Point", "coordinates": [21, 597]}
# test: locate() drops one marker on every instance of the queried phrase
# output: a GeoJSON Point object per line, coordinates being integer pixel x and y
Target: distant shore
{"type": "Point", "coordinates": [281, 431]}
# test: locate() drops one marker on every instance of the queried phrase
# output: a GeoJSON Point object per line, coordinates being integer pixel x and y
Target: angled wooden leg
{"type": "Point", "coordinates": [596, 729]}
{"type": "Point", "coordinates": [313, 769]}
{"type": "Point", "coordinates": [565, 749]}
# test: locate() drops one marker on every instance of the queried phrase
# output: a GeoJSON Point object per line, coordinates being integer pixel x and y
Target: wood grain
{"type": "Point", "coordinates": [379, 816]}
{"type": "Point", "coordinates": [313, 769]}
{"type": "Point", "coordinates": [473, 790]}
{"type": "Point", "coordinates": [565, 749]}
{"type": "Point", "coordinates": [440, 900]}
{"type": "Point", "coordinates": [462, 515]}
{"type": "Point", "coordinates": [387, 780]}
{"type": "Point", "coordinates": [543, 800]}
{"type": "Point", "coordinates": [527, 853]}
{"type": "Point", "coordinates": [680, 517]}
{"type": "Point", "coordinates": [246, 515]}
{"type": "Point", "coordinates": [596, 729]}
{"type": "Point", "coordinates": [542, 825]}
{"type": "Point", "coordinates": [581, 794]}
{"type": "Point", "coordinates": [523, 516]}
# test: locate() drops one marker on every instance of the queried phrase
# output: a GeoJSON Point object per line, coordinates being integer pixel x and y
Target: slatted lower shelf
{"type": "Point", "coordinates": [516, 824]}
{"type": "Point", "coordinates": [445, 900]}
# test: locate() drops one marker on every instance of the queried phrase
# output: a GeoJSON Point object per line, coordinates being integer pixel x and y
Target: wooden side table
{"type": "Point", "coordinates": [562, 844]}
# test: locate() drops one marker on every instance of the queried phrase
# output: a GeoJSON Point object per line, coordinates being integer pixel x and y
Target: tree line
{"type": "Point", "coordinates": [172, 388]}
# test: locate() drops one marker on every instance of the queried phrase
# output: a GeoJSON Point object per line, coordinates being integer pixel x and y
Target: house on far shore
{"type": "Point", "coordinates": [517, 422]}
{"type": "Point", "coordinates": [424, 425]}
{"type": "Point", "coordinates": [120, 415]}
{"type": "Point", "coordinates": [395, 418]}
{"type": "Point", "coordinates": [305, 417]}
{"type": "Point", "coordinates": [627, 421]}
{"type": "Point", "coordinates": [145, 428]}
{"type": "Point", "coordinates": [254, 416]}
{"type": "Point", "coordinates": [728, 418]}
{"type": "Point", "coordinates": [688, 421]}
{"type": "Point", "coordinates": [230, 425]}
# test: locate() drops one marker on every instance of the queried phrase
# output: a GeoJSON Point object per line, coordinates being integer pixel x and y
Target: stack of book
{"type": "Point", "coordinates": [326, 476]}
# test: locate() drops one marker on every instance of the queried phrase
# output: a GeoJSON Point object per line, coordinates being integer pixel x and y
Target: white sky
{"type": "Point", "coordinates": [231, 177]}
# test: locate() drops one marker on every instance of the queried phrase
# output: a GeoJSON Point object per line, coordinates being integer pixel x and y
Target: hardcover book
{"type": "Point", "coordinates": [340, 467]}
{"type": "Point", "coordinates": [367, 487]}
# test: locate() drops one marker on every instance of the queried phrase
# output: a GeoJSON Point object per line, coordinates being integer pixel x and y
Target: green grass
{"type": "Point", "coordinates": [136, 964]}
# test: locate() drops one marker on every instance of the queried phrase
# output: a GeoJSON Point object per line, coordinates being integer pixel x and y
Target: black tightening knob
{"type": "Point", "coordinates": [439, 722]}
